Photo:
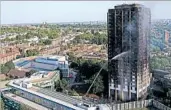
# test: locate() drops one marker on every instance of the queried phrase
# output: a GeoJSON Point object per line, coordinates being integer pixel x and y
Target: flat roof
{"type": "Point", "coordinates": [25, 101]}
{"type": "Point", "coordinates": [49, 76]}
{"type": "Point", "coordinates": [59, 96]}
{"type": "Point", "coordinates": [59, 100]}
{"type": "Point", "coordinates": [128, 6]}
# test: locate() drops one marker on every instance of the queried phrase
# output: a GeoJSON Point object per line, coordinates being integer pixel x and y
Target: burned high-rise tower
{"type": "Point", "coordinates": [128, 31]}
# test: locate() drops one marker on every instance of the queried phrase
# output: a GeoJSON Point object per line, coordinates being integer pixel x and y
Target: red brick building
{"type": "Point", "coordinates": [166, 36]}
{"type": "Point", "coordinates": [8, 55]}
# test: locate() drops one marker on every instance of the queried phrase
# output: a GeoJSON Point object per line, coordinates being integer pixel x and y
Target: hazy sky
{"type": "Point", "coordinates": [70, 11]}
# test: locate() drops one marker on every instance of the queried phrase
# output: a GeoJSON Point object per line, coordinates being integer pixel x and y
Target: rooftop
{"type": "Point", "coordinates": [17, 73]}
{"type": "Point", "coordinates": [49, 76]}
{"type": "Point", "coordinates": [128, 6]}
{"type": "Point", "coordinates": [50, 95]}
{"type": "Point", "coordinates": [25, 101]}
{"type": "Point", "coordinates": [9, 54]}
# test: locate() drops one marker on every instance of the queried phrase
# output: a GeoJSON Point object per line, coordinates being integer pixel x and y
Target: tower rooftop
{"type": "Point", "coordinates": [128, 6]}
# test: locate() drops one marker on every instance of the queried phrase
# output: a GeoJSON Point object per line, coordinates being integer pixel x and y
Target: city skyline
{"type": "Point", "coordinates": [73, 11]}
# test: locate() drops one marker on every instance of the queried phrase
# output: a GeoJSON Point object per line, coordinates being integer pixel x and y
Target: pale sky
{"type": "Point", "coordinates": [13, 12]}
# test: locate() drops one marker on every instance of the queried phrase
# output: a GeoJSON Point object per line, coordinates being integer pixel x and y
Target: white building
{"type": "Point", "coordinates": [34, 39]}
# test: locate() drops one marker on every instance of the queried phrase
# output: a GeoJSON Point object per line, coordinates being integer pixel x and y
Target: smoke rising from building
{"type": "Point", "coordinates": [128, 32]}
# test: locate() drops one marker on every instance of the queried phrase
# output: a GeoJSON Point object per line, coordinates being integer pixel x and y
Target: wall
{"type": "Point", "coordinates": [40, 100]}
{"type": "Point", "coordinates": [140, 104]}
{"type": "Point", "coordinates": [160, 105]}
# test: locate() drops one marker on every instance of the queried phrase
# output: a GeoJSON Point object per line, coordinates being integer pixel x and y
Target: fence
{"type": "Point", "coordinates": [160, 106]}
{"type": "Point", "coordinates": [139, 104]}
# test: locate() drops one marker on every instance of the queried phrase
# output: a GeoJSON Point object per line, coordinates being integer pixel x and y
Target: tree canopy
{"type": "Point", "coordinates": [33, 52]}
{"type": "Point", "coordinates": [28, 74]}
{"type": "Point", "coordinates": [10, 65]}
{"type": "Point", "coordinates": [61, 85]}
{"type": "Point", "coordinates": [160, 62]}
{"type": "Point", "coordinates": [98, 86]}
{"type": "Point", "coordinates": [7, 67]}
{"type": "Point", "coordinates": [47, 42]}
{"type": "Point", "coordinates": [95, 38]}
{"type": "Point", "coordinates": [4, 69]}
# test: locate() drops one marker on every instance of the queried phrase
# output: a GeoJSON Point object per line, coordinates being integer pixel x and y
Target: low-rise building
{"type": "Point", "coordinates": [23, 90]}
{"type": "Point", "coordinates": [15, 73]}
{"type": "Point", "coordinates": [88, 51]}
{"type": "Point", "coordinates": [45, 80]}
{"type": "Point", "coordinates": [34, 39]}
{"type": "Point", "coordinates": [44, 63]}
{"type": "Point", "coordinates": [50, 50]}
{"type": "Point", "coordinates": [8, 56]}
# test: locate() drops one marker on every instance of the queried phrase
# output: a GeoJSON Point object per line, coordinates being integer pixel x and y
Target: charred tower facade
{"type": "Point", "coordinates": [128, 31]}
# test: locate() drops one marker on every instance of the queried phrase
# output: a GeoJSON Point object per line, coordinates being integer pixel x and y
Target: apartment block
{"type": "Point", "coordinates": [128, 30]}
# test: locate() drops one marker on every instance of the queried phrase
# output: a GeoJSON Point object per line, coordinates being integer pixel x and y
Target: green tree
{"type": "Point", "coordinates": [95, 38]}
{"type": "Point", "coordinates": [73, 93]}
{"type": "Point", "coordinates": [33, 52]}
{"type": "Point", "coordinates": [160, 62]}
{"type": "Point", "coordinates": [169, 97]}
{"type": "Point", "coordinates": [73, 65]}
{"type": "Point", "coordinates": [156, 49]}
{"type": "Point", "coordinates": [98, 86]}
{"type": "Point", "coordinates": [28, 74]}
{"type": "Point", "coordinates": [47, 42]}
{"type": "Point", "coordinates": [19, 37]}
{"type": "Point", "coordinates": [61, 85]}
{"type": "Point", "coordinates": [10, 65]}
{"type": "Point", "coordinates": [5, 69]}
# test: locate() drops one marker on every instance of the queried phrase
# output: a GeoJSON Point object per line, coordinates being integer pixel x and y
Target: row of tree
{"type": "Point", "coordinates": [45, 42]}
{"type": "Point", "coordinates": [88, 70]}
{"type": "Point", "coordinates": [95, 38]}
{"type": "Point", "coordinates": [51, 33]}
{"type": "Point", "coordinates": [63, 86]}
{"type": "Point", "coordinates": [8, 29]}
{"type": "Point", "coordinates": [32, 52]}
{"type": "Point", "coordinates": [160, 62]}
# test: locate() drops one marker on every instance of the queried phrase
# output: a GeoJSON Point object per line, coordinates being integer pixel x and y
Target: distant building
{"type": "Point", "coordinates": [128, 30]}
{"type": "Point", "coordinates": [44, 38]}
{"type": "Point", "coordinates": [8, 55]}
{"type": "Point", "coordinates": [166, 36]}
{"type": "Point", "coordinates": [34, 40]}
{"type": "Point", "coordinates": [49, 50]}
